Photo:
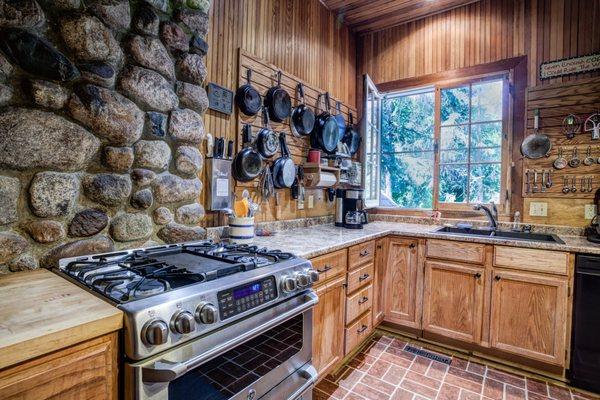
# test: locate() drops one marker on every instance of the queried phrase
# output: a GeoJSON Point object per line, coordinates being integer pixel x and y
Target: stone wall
{"type": "Point", "coordinates": [101, 118]}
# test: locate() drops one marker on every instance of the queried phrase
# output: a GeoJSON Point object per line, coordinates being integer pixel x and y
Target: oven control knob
{"type": "Point", "coordinates": [302, 279]}
{"type": "Point", "coordinates": [207, 313]}
{"type": "Point", "coordinates": [155, 332]}
{"type": "Point", "coordinates": [314, 275]}
{"type": "Point", "coordinates": [184, 322]}
{"type": "Point", "coordinates": [288, 284]}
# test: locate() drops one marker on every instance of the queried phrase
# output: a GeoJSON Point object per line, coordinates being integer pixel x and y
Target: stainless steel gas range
{"type": "Point", "coordinates": [208, 320]}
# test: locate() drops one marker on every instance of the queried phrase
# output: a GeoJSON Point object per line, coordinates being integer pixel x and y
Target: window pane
{"type": "Point", "coordinates": [486, 135]}
{"type": "Point", "coordinates": [407, 123]}
{"type": "Point", "coordinates": [453, 156]}
{"type": "Point", "coordinates": [486, 155]}
{"type": "Point", "coordinates": [407, 180]}
{"type": "Point", "coordinates": [454, 137]}
{"type": "Point", "coordinates": [485, 183]}
{"type": "Point", "coordinates": [453, 183]}
{"type": "Point", "coordinates": [487, 101]}
{"type": "Point", "coordinates": [455, 106]}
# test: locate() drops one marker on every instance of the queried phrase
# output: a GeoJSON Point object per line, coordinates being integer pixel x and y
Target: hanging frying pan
{"type": "Point", "coordinates": [247, 164]}
{"type": "Point", "coordinates": [339, 118]}
{"type": "Point", "coordinates": [303, 118]}
{"type": "Point", "coordinates": [283, 169]}
{"type": "Point", "coordinates": [278, 102]}
{"type": "Point", "coordinates": [536, 145]}
{"type": "Point", "coordinates": [267, 142]}
{"type": "Point", "coordinates": [325, 136]}
{"type": "Point", "coordinates": [352, 138]}
{"type": "Point", "coordinates": [247, 97]}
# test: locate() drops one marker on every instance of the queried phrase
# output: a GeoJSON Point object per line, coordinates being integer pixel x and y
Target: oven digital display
{"type": "Point", "coordinates": [247, 291]}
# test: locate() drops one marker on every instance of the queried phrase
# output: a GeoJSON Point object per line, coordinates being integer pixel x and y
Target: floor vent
{"type": "Point", "coordinates": [427, 354]}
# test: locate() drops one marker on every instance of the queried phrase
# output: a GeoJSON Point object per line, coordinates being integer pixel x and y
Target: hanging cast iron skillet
{"type": "Point", "coordinates": [278, 102]}
{"type": "Point", "coordinates": [247, 97]}
{"type": "Point", "coordinates": [339, 118]}
{"type": "Point", "coordinates": [352, 138]}
{"type": "Point", "coordinates": [247, 164]}
{"type": "Point", "coordinates": [303, 118]}
{"type": "Point", "coordinates": [325, 136]}
{"type": "Point", "coordinates": [283, 169]}
{"type": "Point", "coordinates": [267, 142]}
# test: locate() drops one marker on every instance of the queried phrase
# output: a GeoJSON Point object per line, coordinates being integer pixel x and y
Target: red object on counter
{"type": "Point", "coordinates": [314, 156]}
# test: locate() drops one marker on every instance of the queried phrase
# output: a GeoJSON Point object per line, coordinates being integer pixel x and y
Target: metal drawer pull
{"type": "Point", "coordinates": [325, 269]}
{"type": "Point", "coordinates": [477, 275]}
{"type": "Point", "coordinates": [362, 329]}
{"type": "Point", "coordinates": [363, 277]}
{"type": "Point", "coordinates": [364, 253]}
{"type": "Point", "coordinates": [363, 300]}
{"type": "Point", "coordinates": [412, 246]}
{"type": "Point", "coordinates": [497, 277]}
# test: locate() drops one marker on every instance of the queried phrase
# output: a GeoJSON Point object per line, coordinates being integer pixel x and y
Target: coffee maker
{"type": "Point", "coordinates": [592, 232]}
{"type": "Point", "coordinates": [349, 208]}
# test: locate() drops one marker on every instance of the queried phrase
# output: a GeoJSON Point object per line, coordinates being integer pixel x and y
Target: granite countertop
{"type": "Point", "coordinates": [321, 239]}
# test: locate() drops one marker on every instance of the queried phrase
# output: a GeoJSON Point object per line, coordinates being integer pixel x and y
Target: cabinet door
{"type": "Point", "coordinates": [401, 286]}
{"type": "Point", "coordinates": [379, 281]}
{"type": "Point", "coordinates": [453, 300]}
{"type": "Point", "coordinates": [328, 326]}
{"type": "Point", "coordinates": [529, 314]}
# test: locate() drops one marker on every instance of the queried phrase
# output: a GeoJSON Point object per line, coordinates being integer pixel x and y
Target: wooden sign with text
{"type": "Point", "coordinates": [570, 66]}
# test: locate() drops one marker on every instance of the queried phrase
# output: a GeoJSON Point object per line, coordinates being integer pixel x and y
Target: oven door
{"type": "Point", "coordinates": [265, 355]}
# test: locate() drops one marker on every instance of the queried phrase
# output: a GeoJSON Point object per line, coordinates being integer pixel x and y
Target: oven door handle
{"type": "Point", "coordinates": [166, 371]}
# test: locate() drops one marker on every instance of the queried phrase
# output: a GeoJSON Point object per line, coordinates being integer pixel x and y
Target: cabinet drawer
{"type": "Point", "coordinates": [361, 254]}
{"type": "Point", "coordinates": [358, 303]}
{"type": "Point", "coordinates": [360, 277]}
{"type": "Point", "coordinates": [330, 265]}
{"type": "Point", "coordinates": [553, 262]}
{"type": "Point", "coordinates": [357, 332]}
{"type": "Point", "coordinates": [457, 251]}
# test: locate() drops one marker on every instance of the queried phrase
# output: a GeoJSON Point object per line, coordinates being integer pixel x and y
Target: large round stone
{"type": "Point", "coordinates": [23, 262]}
{"type": "Point", "coordinates": [142, 199]}
{"type": "Point", "coordinates": [6, 68]}
{"type": "Point", "coordinates": [191, 68]}
{"type": "Point", "coordinates": [148, 89]}
{"type": "Point", "coordinates": [64, 4]}
{"type": "Point", "coordinates": [129, 227]}
{"type": "Point", "coordinates": [53, 194]}
{"type": "Point", "coordinates": [45, 231]}
{"type": "Point", "coordinates": [107, 189]}
{"type": "Point", "coordinates": [37, 139]}
{"type": "Point", "coordinates": [186, 126]}
{"type": "Point", "coordinates": [114, 13]}
{"type": "Point", "coordinates": [36, 55]}
{"type": "Point", "coordinates": [149, 52]}
{"type": "Point", "coordinates": [190, 214]}
{"type": "Point", "coordinates": [176, 40]}
{"type": "Point", "coordinates": [170, 188]}
{"type": "Point", "coordinates": [6, 95]}
{"type": "Point", "coordinates": [188, 160]}
{"type": "Point", "coordinates": [10, 189]}
{"type": "Point", "coordinates": [146, 21]}
{"type": "Point", "coordinates": [162, 5]}
{"type": "Point", "coordinates": [192, 96]}
{"type": "Point", "coordinates": [98, 73]}
{"type": "Point", "coordinates": [176, 233]}
{"type": "Point", "coordinates": [100, 244]}
{"type": "Point", "coordinates": [49, 95]}
{"type": "Point", "coordinates": [11, 245]}
{"type": "Point", "coordinates": [162, 216]}
{"type": "Point", "coordinates": [88, 223]}
{"type": "Point", "coordinates": [198, 46]}
{"type": "Point", "coordinates": [21, 13]}
{"type": "Point", "coordinates": [90, 40]}
{"type": "Point", "coordinates": [110, 115]}
{"type": "Point", "coordinates": [156, 124]}
{"type": "Point", "coordinates": [152, 154]}
{"type": "Point", "coordinates": [142, 177]}
{"type": "Point", "coordinates": [196, 21]}
{"type": "Point", "coordinates": [118, 159]}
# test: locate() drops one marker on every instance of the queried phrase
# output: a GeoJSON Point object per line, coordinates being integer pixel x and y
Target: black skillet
{"type": "Point", "coordinates": [303, 118]}
{"type": "Point", "coordinates": [267, 142]}
{"type": "Point", "coordinates": [247, 97]}
{"type": "Point", "coordinates": [283, 169]}
{"type": "Point", "coordinates": [352, 138]}
{"type": "Point", "coordinates": [247, 164]}
{"type": "Point", "coordinates": [325, 136]}
{"type": "Point", "coordinates": [278, 102]}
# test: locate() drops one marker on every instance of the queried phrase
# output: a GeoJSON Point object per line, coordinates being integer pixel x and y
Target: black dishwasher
{"type": "Point", "coordinates": [585, 351]}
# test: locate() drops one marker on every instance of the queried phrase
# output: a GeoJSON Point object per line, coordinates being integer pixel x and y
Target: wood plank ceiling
{"type": "Point", "coordinates": [364, 16]}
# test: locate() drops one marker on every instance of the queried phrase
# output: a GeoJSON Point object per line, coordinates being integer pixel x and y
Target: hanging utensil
{"type": "Point", "coordinates": [341, 121]}
{"type": "Point", "coordinates": [588, 160]}
{"type": "Point", "coordinates": [247, 97]}
{"type": "Point", "coordinates": [566, 189]}
{"type": "Point", "coordinates": [325, 135]}
{"type": "Point", "coordinates": [592, 124]}
{"type": "Point", "coordinates": [303, 117]}
{"type": "Point", "coordinates": [536, 145]}
{"type": "Point", "coordinates": [267, 142]}
{"type": "Point", "coordinates": [574, 161]}
{"type": "Point", "coordinates": [543, 184]}
{"type": "Point", "coordinates": [589, 188]}
{"type": "Point", "coordinates": [549, 180]}
{"type": "Point", "coordinates": [278, 101]}
{"type": "Point", "coordinates": [527, 183]}
{"type": "Point", "coordinates": [560, 162]}
{"type": "Point", "coordinates": [247, 164]}
{"type": "Point", "coordinates": [535, 181]}
{"type": "Point", "coordinates": [283, 169]}
{"type": "Point", "coordinates": [571, 125]}
{"type": "Point", "coordinates": [352, 138]}
{"type": "Point", "coordinates": [574, 184]}
{"type": "Point", "coordinates": [583, 185]}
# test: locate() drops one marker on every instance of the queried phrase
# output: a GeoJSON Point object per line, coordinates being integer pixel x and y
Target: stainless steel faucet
{"type": "Point", "coordinates": [491, 212]}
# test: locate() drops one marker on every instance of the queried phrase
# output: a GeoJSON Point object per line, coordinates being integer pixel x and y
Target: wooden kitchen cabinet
{"type": "Point", "coordinates": [453, 300]}
{"type": "Point", "coordinates": [401, 300]}
{"type": "Point", "coordinates": [379, 274]}
{"type": "Point", "coordinates": [528, 315]}
{"type": "Point", "coordinates": [328, 325]}
{"type": "Point", "coordinates": [81, 372]}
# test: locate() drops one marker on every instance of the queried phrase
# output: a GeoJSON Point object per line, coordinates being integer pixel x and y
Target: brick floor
{"type": "Point", "coordinates": [383, 370]}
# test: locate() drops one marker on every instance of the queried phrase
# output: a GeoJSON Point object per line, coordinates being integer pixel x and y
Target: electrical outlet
{"type": "Point", "coordinates": [590, 211]}
{"type": "Point", "coordinates": [300, 204]}
{"type": "Point", "coordinates": [538, 209]}
{"type": "Point", "coordinates": [311, 201]}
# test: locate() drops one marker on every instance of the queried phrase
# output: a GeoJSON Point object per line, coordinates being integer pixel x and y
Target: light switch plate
{"type": "Point", "coordinates": [538, 209]}
{"type": "Point", "coordinates": [590, 211]}
{"type": "Point", "coordinates": [311, 201]}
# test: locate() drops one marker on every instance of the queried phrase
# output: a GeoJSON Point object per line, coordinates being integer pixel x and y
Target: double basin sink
{"type": "Point", "coordinates": [497, 234]}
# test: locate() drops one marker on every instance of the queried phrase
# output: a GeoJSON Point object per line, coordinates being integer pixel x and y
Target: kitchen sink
{"type": "Point", "coordinates": [508, 235]}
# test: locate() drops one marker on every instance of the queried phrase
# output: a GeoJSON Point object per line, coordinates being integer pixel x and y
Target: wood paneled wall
{"type": "Point", "coordinates": [299, 36]}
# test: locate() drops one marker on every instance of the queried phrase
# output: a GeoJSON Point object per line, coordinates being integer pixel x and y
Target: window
{"type": "Point", "coordinates": [443, 146]}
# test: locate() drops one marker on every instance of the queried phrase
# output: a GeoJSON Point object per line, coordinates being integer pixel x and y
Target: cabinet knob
{"type": "Point", "coordinates": [477, 275]}
{"type": "Point", "coordinates": [412, 246]}
{"type": "Point", "coordinates": [497, 277]}
{"type": "Point", "coordinates": [364, 253]}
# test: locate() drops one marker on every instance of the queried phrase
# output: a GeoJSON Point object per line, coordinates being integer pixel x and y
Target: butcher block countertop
{"type": "Point", "coordinates": [41, 312]}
